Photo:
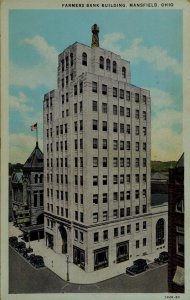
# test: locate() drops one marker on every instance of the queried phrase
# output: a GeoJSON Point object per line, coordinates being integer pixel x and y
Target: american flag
{"type": "Point", "coordinates": [34, 127]}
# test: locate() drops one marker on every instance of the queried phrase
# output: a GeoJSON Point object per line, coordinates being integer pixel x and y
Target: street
{"type": "Point", "coordinates": [23, 278]}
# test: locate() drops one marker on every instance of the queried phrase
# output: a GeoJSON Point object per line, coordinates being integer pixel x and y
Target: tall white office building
{"type": "Point", "coordinates": [97, 155]}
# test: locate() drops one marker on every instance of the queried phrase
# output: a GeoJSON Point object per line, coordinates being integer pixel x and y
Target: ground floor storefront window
{"type": "Point", "coordinates": [79, 257]}
{"type": "Point", "coordinates": [101, 258]}
{"type": "Point", "coordinates": [122, 251]}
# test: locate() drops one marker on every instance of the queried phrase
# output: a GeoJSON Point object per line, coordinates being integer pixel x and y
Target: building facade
{"type": "Point", "coordinates": [176, 228]}
{"type": "Point", "coordinates": [97, 162]}
{"type": "Point", "coordinates": [27, 191]}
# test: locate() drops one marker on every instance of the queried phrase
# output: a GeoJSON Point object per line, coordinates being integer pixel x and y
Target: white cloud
{"type": "Point", "coordinates": [160, 99]}
{"type": "Point", "coordinates": [21, 146]}
{"type": "Point", "coordinates": [155, 55]}
{"type": "Point", "coordinates": [20, 103]}
{"type": "Point", "coordinates": [42, 73]}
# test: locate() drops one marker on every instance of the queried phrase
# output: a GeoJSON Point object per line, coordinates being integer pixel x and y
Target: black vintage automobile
{"type": "Point", "coordinates": [138, 266]}
{"type": "Point", "coordinates": [13, 240]}
{"type": "Point", "coordinates": [26, 252]}
{"type": "Point", "coordinates": [19, 246]}
{"type": "Point", "coordinates": [163, 258]}
{"type": "Point", "coordinates": [37, 261]}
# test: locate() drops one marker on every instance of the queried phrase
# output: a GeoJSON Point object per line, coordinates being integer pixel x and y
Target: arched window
{"type": "Point", "coordinates": [71, 59]}
{"type": "Point", "coordinates": [101, 62]}
{"type": "Point", "coordinates": [123, 72]}
{"type": "Point", "coordinates": [114, 67]}
{"type": "Point", "coordinates": [84, 59]}
{"type": "Point", "coordinates": [160, 232]}
{"type": "Point", "coordinates": [108, 64]}
{"type": "Point", "coordinates": [36, 178]}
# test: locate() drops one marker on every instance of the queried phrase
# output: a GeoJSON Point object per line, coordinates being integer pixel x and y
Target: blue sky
{"type": "Point", "coordinates": [144, 37]}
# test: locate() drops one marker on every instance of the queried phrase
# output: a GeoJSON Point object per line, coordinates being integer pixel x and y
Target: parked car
{"type": "Point", "coordinates": [138, 266]}
{"type": "Point", "coordinates": [37, 261]}
{"type": "Point", "coordinates": [26, 251]}
{"type": "Point", "coordinates": [13, 240]}
{"type": "Point", "coordinates": [19, 246]}
{"type": "Point", "coordinates": [163, 258]}
{"type": "Point", "coordinates": [31, 257]}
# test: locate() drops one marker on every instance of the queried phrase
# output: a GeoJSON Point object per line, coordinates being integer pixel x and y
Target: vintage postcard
{"type": "Point", "coordinates": [94, 149]}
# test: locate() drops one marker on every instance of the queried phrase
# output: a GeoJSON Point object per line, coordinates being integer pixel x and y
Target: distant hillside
{"type": "Point", "coordinates": [162, 166]}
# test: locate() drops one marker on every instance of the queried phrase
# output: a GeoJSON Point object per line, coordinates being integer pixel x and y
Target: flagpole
{"type": "Point", "coordinates": [37, 134]}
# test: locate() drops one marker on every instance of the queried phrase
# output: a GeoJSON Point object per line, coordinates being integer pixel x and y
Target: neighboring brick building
{"type": "Point", "coordinates": [176, 228]}
{"type": "Point", "coordinates": [97, 162]}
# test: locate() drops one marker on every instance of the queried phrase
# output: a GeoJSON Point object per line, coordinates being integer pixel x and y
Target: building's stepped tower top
{"type": "Point", "coordinates": [95, 37]}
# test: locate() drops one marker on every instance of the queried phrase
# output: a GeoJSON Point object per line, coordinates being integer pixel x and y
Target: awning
{"type": "Point", "coordinates": [179, 276]}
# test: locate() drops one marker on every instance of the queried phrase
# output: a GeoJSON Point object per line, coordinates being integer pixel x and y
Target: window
{"type": "Point", "coordinates": [137, 162]}
{"type": "Point", "coordinates": [137, 114]}
{"type": "Point", "coordinates": [128, 112]}
{"type": "Point", "coordinates": [121, 128]}
{"type": "Point", "coordinates": [81, 125]}
{"type": "Point", "coordinates": [121, 94]}
{"type": "Point", "coordinates": [95, 161]}
{"type": "Point", "coordinates": [95, 199]}
{"type": "Point", "coordinates": [84, 59]}
{"type": "Point", "coordinates": [75, 90]}
{"type": "Point", "coordinates": [81, 237]}
{"type": "Point", "coordinates": [115, 213]}
{"type": "Point", "coordinates": [65, 128]}
{"type": "Point", "coordinates": [94, 106]}
{"type": "Point", "coordinates": [81, 143]}
{"type": "Point", "coordinates": [137, 226]}
{"type": "Point", "coordinates": [123, 72]}
{"type": "Point", "coordinates": [144, 146]}
{"type": "Point", "coordinates": [137, 178]}
{"type": "Point", "coordinates": [136, 194]}
{"type": "Point", "coordinates": [121, 212]}
{"type": "Point", "coordinates": [144, 224]}
{"type": "Point", "coordinates": [144, 208]}
{"type": "Point", "coordinates": [128, 145]}
{"type": "Point", "coordinates": [128, 162]}
{"type": "Point", "coordinates": [104, 89]}
{"type": "Point", "coordinates": [121, 111]}
{"type": "Point", "coordinates": [144, 177]}
{"type": "Point", "coordinates": [104, 126]}
{"type": "Point", "coordinates": [95, 217]}
{"type": "Point", "coordinates": [128, 228]}
{"type": "Point", "coordinates": [136, 210]}
{"type": "Point", "coordinates": [144, 99]}
{"type": "Point", "coordinates": [104, 145]}
{"type": "Point", "coordinates": [180, 240]}
{"type": "Point", "coordinates": [128, 129]}
{"type": "Point", "coordinates": [76, 198]}
{"type": "Point", "coordinates": [136, 97]}
{"type": "Point", "coordinates": [114, 109]}
{"type": "Point", "coordinates": [137, 146]}
{"type": "Point", "coordinates": [81, 180]}
{"type": "Point", "coordinates": [75, 126]}
{"type": "Point", "coordinates": [104, 164]}
{"type": "Point", "coordinates": [114, 92]}
{"type": "Point", "coordinates": [121, 196]}
{"type": "Point", "coordinates": [76, 144]}
{"type": "Point", "coordinates": [116, 232]}
{"type": "Point", "coordinates": [105, 198]}
{"type": "Point", "coordinates": [144, 115]}
{"type": "Point", "coordinates": [105, 180]}
{"type": "Point", "coordinates": [101, 62]}
{"type": "Point", "coordinates": [104, 108]}
{"type": "Point", "coordinates": [76, 215]}
{"type": "Point", "coordinates": [122, 230]}
{"type": "Point", "coordinates": [105, 234]}
{"type": "Point", "coordinates": [144, 193]}
{"type": "Point", "coordinates": [114, 67]}
{"type": "Point", "coordinates": [115, 196]}
{"type": "Point", "coordinates": [122, 181]}
{"type": "Point", "coordinates": [121, 161]}
{"type": "Point", "coordinates": [144, 130]}
{"type": "Point", "coordinates": [76, 180]}
{"type": "Point", "coordinates": [115, 127]}
{"type": "Point", "coordinates": [81, 217]}
{"type": "Point", "coordinates": [144, 242]}
{"type": "Point", "coordinates": [67, 80]}
{"type": "Point", "coordinates": [67, 97]}
{"type": "Point", "coordinates": [95, 143]}
{"type": "Point", "coordinates": [94, 124]}
{"type": "Point", "coordinates": [128, 177]}
{"type": "Point", "coordinates": [96, 237]}
{"type": "Point", "coordinates": [62, 83]}
{"type": "Point", "coordinates": [95, 180]}
{"type": "Point", "coordinates": [71, 59]}
{"type": "Point", "coordinates": [137, 244]}
{"type": "Point", "coordinates": [160, 232]}
{"type": "Point", "coordinates": [105, 215]}
{"type": "Point", "coordinates": [108, 64]}
{"type": "Point", "coordinates": [62, 65]}
{"type": "Point", "coordinates": [81, 198]}
{"type": "Point", "coordinates": [137, 130]}
{"type": "Point", "coordinates": [94, 87]}
{"type": "Point", "coordinates": [115, 144]}
{"type": "Point", "coordinates": [81, 87]}
{"type": "Point", "coordinates": [80, 106]}
{"type": "Point", "coordinates": [75, 108]}
{"type": "Point", "coordinates": [115, 179]}
{"type": "Point", "coordinates": [128, 95]}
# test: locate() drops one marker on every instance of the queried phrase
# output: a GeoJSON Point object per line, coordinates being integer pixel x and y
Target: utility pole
{"type": "Point", "coordinates": [67, 267]}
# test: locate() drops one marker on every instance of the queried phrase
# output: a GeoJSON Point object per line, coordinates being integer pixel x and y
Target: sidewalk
{"type": "Point", "coordinates": [58, 263]}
